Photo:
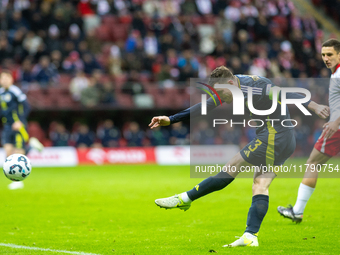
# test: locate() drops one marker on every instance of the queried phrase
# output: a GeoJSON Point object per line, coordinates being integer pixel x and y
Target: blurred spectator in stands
{"type": "Point", "coordinates": [16, 22]}
{"type": "Point", "coordinates": [164, 74]}
{"type": "Point", "coordinates": [31, 43]}
{"type": "Point", "coordinates": [102, 7]}
{"type": "Point", "coordinates": [261, 28]}
{"type": "Point", "coordinates": [236, 66]}
{"type": "Point", "coordinates": [171, 57]}
{"type": "Point", "coordinates": [274, 50]}
{"type": "Point", "coordinates": [165, 78]}
{"type": "Point", "coordinates": [90, 63]}
{"type": "Point", "coordinates": [242, 24]}
{"type": "Point", "coordinates": [121, 7]}
{"type": "Point", "coordinates": [138, 23]}
{"type": "Point", "coordinates": [78, 84]}
{"type": "Point", "coordinates": [109, 134]}
{"type": "Point", "coordinates": [150, 44]}
{"type": "Point", "coordinates": [230, 134]}
{"type": "Point", "coordinates": [309, 25]}
{"type": "Point", "coordinates": [245, 62]}
{"type": "Point", "coordinates": [83, 48]}
{"type": "Point", "coordinates": [204, 7]}
{"type": "Point", "coordinates": [83, 138]}
{"type": "Point", "coordinates": [115, 61]}
{"type": "Point", "coordinates": [158, 136]}
{"type": "Point", "coordinates": [60, 136]}
{"type": "Point", "coordinates": [74, 34]}
{"type": "Point", "coordinates": [58, 20]}
{"type": "Point", "coordinates": [249, 10]}
{"type": "Point", "coordinates": [36, 21]}
{"type": "Point", "coordinates": [131, 42]}
{"type": "Point", "coordinates": [225, 27]}
{"type": "Point", "coordinates": [6, 50]}
{"type": "Point", "coordinates": [93, 43]}
{"type": "Point", "coordinates": [186, 73]}
{"type": "Point", "coordinates": [188, 59]}
{"type": "Point", "coordinates": [307, 51]}
{"type": "Point", "coordinates": [189, 7]}
{"type": "Point", "coordinates": [53, 40]}
{"type": "Point", "coordinates": [107, 94]}
{"type": "Point", "coordinates": [157, 26]}
{"type": "Point", "coordinates": [73, 63]}
{"type": "Point", "coordinates": [232, 11]}
{"type": "Point", "coordinates": [90, 96]}
{"type": "Point", "coordinates": [179, 134]}
{"type": "Point", "coordinates": [25, 75]}
{"type": "Point", "coordinates": [176, 29]}
{"type": "Point", "coordinates": [133, 86]}
{"type": "Point", "coordinates": [133, 135]}
{"type": "Point", "coordinates": [68, 48]}
{"type": "Point", "coordinates": [204, 135]}
{"type": "Point", "coordinates": [18, 52]}
{"type": "Point", "coordinates": [166, 42]}
{"type": "Point", "coordinates": [242, 41]}
{"type": "Point", "coordinates": [56, 59]}
{"type": "Point", "coordinates": [67, 9]}
{"type": "Point", "coordinates": [45, 72]}
{"type": "Point", "coordinates": [41, 51]}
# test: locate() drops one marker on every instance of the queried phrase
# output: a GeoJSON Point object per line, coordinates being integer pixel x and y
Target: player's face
{"type": "Point", "coordinates": [330, 57]}
{"type": "Point", "coordinates": [6, 80]}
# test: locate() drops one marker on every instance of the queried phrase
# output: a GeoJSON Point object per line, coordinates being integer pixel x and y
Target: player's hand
{"type": "Point", "coordinates": [159, 121]}
{"type": "Point", "coordinates": [322, 111]}
{"type": "Point", "coordinates": [329, 129]}
{"type": "Point", "coordinates": [17, 125]}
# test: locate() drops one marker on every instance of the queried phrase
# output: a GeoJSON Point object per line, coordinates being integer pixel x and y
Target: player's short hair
{"type": "Point", "coordinates": [220, 75]}
{"type": "Point", "coordinates": [6, 71]}
{"type": "Point", "coordinates": [332, 43]}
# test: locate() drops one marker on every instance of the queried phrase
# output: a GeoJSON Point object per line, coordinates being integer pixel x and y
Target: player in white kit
{"type": "Point", "coordinates": [328, 144]}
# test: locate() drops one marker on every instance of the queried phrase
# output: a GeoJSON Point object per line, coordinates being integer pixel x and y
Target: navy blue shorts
{"type": "Point", "coordinates": [16, 138]}
{"type": "Point", "coordinates": [270, 148]}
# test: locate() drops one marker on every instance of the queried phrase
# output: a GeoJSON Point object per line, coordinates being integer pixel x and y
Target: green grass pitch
{"type": "Point", "coordinates": [111, 210]}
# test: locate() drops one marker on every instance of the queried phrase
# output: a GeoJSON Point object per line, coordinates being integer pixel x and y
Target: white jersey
{"type": "Point", "coordinates": [334, 94]}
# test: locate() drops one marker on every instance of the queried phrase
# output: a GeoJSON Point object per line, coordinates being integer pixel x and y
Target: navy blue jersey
{"type": "Point", "coordinates": [262, 100]}
{"type": "Point", "coordinates": [14, 105]}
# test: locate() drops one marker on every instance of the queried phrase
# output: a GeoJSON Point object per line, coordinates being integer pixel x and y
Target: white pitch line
{"type": "Point", "coordinates": [44, 249]}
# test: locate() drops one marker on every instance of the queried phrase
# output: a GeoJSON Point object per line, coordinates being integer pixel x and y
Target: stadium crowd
{"type": "Point", "coordinates": [110, 52]}
{"type": "Point", "coordinates": [164, 42]}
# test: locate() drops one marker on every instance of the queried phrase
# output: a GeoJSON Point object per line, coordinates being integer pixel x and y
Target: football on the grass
{"type": "Point", "coordinates": [17, 167]}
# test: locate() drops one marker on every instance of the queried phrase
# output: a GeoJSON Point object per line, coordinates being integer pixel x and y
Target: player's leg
{"type": "Point", "coordinates": [257, 210]}
{"type": "Point", "coordinates": [14, 145]}
{"type": "Point", "coordinates": [306, 188]}
{"type": "Point", "coordinates": [29, 142]}
{"type": "Point", "coordinates": [9, 149]}
{"type": "Point", "coordinates": [309, 180]}
{"type": "Point", "coordinates": [211, 184]}
{"type": "Point", "coordinates": [19, 146]}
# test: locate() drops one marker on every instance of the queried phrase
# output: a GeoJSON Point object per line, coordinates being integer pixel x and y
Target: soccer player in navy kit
{"type": "Point", "coordinates": [14, 113]}
{"type": "Point", "coordinates": [272, 145]}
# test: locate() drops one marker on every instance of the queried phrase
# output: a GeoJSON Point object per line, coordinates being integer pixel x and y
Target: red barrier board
{"type": "Point", "coordinates": [101, 156]}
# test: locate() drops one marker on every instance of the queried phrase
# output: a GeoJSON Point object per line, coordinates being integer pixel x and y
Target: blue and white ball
{"type": "Point", "coordinates": [17, 167]}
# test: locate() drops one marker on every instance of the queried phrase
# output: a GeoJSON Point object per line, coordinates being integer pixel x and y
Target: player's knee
{"type": "Point", "coordinates": [260, 187]}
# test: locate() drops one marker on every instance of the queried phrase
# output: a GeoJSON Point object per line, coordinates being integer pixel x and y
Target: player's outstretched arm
{"type": "Point", "coordinates": [321, 110]}
{"type": "Point", "coordinates": [159, 121]}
